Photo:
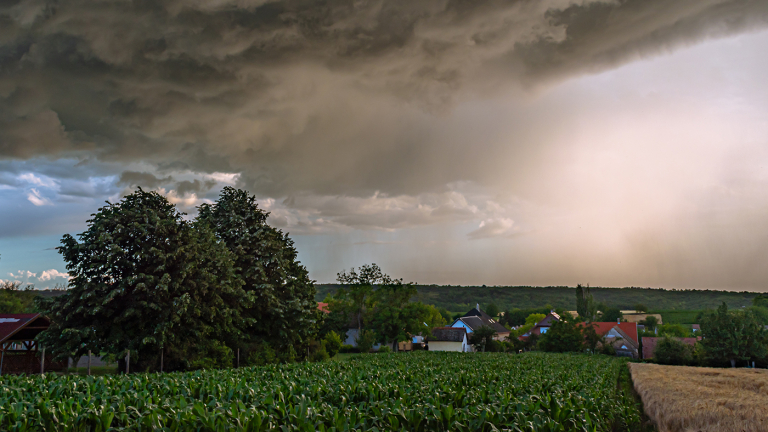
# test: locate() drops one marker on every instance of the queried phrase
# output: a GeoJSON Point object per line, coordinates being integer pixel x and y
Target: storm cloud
{"type": "Point", "coordinates": [383, 116]}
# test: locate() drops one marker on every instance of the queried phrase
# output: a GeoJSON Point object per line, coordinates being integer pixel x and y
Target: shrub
{"type": "Point", "coordinates": [365, 340]}
{"type": "Point", "coordinates": [320, 354]}
{"type": "Point", "coordinates": [384, 349]}
{"type": "Point", "coordinates": [349, 349]}
{"type": "Point", "coordinates": [261, 354]}
{"type": "Point", "coordinates": [332, 342]}
{"type": "Point", "coordinates": [673, 352]}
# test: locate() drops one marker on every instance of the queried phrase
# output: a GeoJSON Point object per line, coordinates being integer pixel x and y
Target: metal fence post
{"type": "Point", "coordinates": [89, 362]}
{"type": "Point", "coordinates": [42, 362]}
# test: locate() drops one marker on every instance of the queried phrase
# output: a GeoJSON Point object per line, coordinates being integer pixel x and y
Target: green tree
{"type": "Point", "coordinates": [611, 315]}
{"type": "Point", "coordinates": [564, 335]}
{"type": "Point", "coordinates": [144, 279]}
{"type": "Point", "coordinates": [482, 337]}
{"type": "Point", "coordinates": [732, 336]}
{"type": "Point", "coordinates": [282, 309]}
{"type": "Point", "coordinates": [650, 322]}
{"type": "Point", "coordinates": [357, 290]}
{"type": "Point", "coordinates": [585, 304]}
{"type": "Point", "coordinates": [760, 300]}
{"type": "Point", "coordinates": [492, 310]}
{"type": "Point", "coordinates": [332, 343]}
{"type": "Point", "coordinates": [674, 330]}
{"type": "Point", "coordinates": [670, 351]}
{"type": "Point", "coordinates": [641, 307]}
{"type": "Point", "coordinates": [365, 340]}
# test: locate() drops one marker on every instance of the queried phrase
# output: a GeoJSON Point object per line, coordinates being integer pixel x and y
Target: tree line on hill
{"type": "Point", "coordinates": [462, 298]}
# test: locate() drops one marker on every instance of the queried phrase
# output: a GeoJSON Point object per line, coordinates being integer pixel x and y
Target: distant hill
{"type": "Point", "coordinates": [462, 298]}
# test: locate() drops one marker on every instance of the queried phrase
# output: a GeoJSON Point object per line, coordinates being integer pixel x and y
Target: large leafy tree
{"type": "Point", "coordinates": [729, 336]}
{"type": "Point", "coordinates": [144, 279]}
{"type": "Point", "coordinates": [356, 294]}
{"type": "Point", "coordinates": [482, 337]}
{"type": "Point", "coordinates": [284, 311]}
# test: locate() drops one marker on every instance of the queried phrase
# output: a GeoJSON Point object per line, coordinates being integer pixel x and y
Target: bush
{"type": "Point", "coordinates": [320, 354]}
{"type": "Point", "coordinates": [384, 349]}
{"type": "Point", "coordinates": [365, 340]}
{"type": "Point", "coordinates": [261, 354]}
{"type": "Point", "coordinates": [332, 342]}
{"type": "Point", "coordinates": [349, 349]}
{"type": "Point", "coordinates": [673, 352]}
{"type": "Point", "coordinates": [213, 355]}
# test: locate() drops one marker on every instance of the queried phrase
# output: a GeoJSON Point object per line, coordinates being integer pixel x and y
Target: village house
{"type": "Point", "coordinates": [475, 318]}
{"type": "Point", "coordinates": [621, 335]}
{"type": "Point", "coordinates": [449, 339]}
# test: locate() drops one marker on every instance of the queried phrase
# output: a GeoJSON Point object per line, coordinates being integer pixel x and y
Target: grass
{"type": "Point", "coordinates": [680, 398]}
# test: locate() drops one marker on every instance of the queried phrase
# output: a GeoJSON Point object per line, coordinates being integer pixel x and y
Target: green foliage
{"type": "Point", "coordinates": [384, 349]}
{"type": "Point", "coordinates": [261, 354]}
{"type": "Point", "coordinates": [492, 310]}
{"type": "Point", "coordinates": [13, 300]}
{"type": "Point", "coordinates": [611, 314]}
{"type": "Point", "coordinates": [144, 278]}
{"type": "Point", "coordinates": [210, 354]}
{"type": "Point", "coordinates": [639, 307]}
{"type": "Point", "coordinates": [732, 336]}
{"type": "Point", "coordinates": [449, 391]}
{"type": "Point", "coordinates": [365, 340]}
{"type": "Point", "coordinates": [280, 306]}
{"type": "Point", "coordinates": [529, 323]}
{"type": "Point", "coordinates": [585, 304]}
{"type": "Point", "coordinates": [564, 335]}
{"type": "Point", "coordinates": [482, 337]}
{"type": "Point", "coordinates": [650, 323]}
{"type": "Point", "coordinates": [674, 330]}
{"type": "Point", "coordinates": [518, 317]}
{"type": "Point", "coordinates": [320, 354]}
{"type": "Point", "coordinates": [670, 351]}
{"type": "Point", "coordinates": [332, 342]}
{"type": "Point", "coordinates": [760, 313]}
{"type": "Point", "coordinates": [760, 301]}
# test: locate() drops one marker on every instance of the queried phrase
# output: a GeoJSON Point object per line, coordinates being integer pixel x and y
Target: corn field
{"type": "Point", "coordinates": [424, 391]}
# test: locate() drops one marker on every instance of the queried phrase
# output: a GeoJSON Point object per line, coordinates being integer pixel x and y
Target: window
{"type": "Point", "coordinates": [544, 330]}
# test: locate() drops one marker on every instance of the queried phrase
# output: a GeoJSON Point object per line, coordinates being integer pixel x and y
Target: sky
{"type": "Point", "coordinates": [514, 142]}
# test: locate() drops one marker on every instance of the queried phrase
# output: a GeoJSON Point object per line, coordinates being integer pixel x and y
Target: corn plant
{"type": "Point", "coordinates": [425, 391]}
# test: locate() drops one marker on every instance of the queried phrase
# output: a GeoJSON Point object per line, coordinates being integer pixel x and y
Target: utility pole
{"type": "Point", "coordinates": [89, 362]}
{"type": "Point", "coordinates": [128, 362]}
{"type": "Point", "coordinates": [42, 362]}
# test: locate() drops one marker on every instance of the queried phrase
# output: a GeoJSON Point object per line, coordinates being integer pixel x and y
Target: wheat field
{"type": "Point", "coordinates": [697, 399]}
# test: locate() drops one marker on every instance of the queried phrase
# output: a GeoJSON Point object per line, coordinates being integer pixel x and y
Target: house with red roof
{"type": "Point", "coordinates": [621, 335]}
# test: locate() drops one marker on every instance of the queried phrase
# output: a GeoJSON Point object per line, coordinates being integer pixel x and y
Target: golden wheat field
{"type": "Point", "coordinates": [688, 399]}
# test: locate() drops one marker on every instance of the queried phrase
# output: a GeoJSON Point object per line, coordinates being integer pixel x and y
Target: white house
{"type": "Point", "coordinates": [449, 339]}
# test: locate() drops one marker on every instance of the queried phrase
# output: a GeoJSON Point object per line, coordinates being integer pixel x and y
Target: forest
{"type": "Point", "coordinates": [462, 298]}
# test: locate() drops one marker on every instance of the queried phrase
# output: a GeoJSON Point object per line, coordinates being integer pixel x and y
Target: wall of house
{"type": "Point", "coordinates": [446, 346]}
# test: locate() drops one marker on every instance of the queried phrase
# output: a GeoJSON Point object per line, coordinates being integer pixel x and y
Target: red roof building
{"type": "Point", "coordinates": [18, 348]}
{"type": "Point", "coordinates": [649, 344]}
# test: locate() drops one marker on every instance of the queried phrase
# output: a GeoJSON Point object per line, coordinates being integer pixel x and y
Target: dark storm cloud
{"type": "Point", "coordinates": [133, 178]}
{"type": "Point", "coordinates": [294, 94]}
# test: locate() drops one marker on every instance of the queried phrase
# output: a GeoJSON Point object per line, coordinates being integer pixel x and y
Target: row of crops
{"type": "Point", "coordinates": [426, 391]}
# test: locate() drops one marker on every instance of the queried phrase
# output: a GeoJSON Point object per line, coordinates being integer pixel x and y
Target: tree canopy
{"type": "Point", "coordinates": [144, 279]}
{"type": "Point", "coordinates": [282, 310]}
{"type": "Point", "coordinates": [730, 336]}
